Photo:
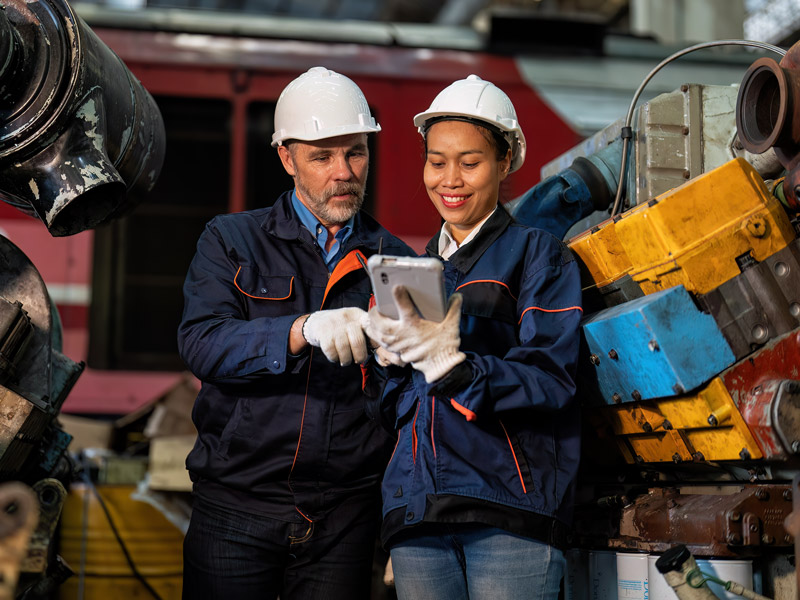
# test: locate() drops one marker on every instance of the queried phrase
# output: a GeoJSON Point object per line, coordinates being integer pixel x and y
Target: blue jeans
{"type": "Point", "coordinates": [233, 555]}
{"type": "Point", "coordinates": [476, 563]}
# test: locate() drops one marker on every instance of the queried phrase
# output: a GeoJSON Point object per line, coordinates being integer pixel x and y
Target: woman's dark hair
{"type": "Point", "coordinates": [493, 136]}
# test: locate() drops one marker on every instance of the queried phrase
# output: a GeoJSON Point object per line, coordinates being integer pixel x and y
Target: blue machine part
{"type": "Point", "coordinates": [651, 347]}
{"type": "Point", "coordinates": [560, 201]}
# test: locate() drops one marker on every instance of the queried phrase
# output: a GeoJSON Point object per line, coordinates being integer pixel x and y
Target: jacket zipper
{"type": "Point", "coordinates": [414, 436]}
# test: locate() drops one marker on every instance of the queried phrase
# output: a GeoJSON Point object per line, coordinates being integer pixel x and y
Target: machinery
{"type": "Point", "coordinates": [684, 218]}
{"type": "Point", "coordinates": [81, 142]}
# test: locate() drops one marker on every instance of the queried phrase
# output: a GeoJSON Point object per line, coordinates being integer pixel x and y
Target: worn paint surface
{"type": "Point", "coordinates": [687, 238]}
{"type": "Point", "coordinates": [601, 253]}
{"type": "Point", "coordinates": [654, 346]}
{"type": "Point", "coordinates": [677, 429]}
{"type": "Point", "coordinates": [772, 412]}
{"type": "Point", "coordinates": [738, 520]}
{"type": "Point", "coordinates": [779, 359]}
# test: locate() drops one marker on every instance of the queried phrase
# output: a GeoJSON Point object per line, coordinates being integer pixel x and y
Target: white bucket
{"type": "Point", "coordinates": [740, 571]}
{"type": "Point", "coordinates": [632, 576]}
{"type": "Point", "coordinates": [576, 576]}
{"type": "Point", "coordinates": [602, 575]}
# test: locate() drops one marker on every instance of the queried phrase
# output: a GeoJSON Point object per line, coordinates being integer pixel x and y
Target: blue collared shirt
{"type": "Point", "coordinates": [320, 234]}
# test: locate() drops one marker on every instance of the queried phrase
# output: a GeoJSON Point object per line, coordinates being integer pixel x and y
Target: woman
{"type": "Point", "coordinates": [477, 496]}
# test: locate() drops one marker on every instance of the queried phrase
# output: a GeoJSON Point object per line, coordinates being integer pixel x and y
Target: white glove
{"type": "Point", "coordinates": [339, 333]}
{"type": "Point", "coordinates": [430, 347]}
{"type": "Point", "coordinates": [386, 358]}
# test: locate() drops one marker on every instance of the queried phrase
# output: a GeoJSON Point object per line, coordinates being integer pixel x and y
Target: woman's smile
{"type": "Point", "coordinates": [462, 174]}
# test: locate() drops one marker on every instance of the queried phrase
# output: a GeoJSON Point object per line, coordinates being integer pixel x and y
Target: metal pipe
{"type": "Point", "coordinates": [626, 128]}
{"type": "Point", "coordinates": [81, 141]}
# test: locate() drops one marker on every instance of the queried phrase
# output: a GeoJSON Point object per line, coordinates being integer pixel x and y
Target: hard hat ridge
{"type": "Point", "coordinates": [321, 104]}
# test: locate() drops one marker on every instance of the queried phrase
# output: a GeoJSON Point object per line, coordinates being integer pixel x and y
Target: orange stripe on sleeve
{"type": "Point", "coordinates": [548, 310]}
{"type": "Point", "coordinates": [488, 281]}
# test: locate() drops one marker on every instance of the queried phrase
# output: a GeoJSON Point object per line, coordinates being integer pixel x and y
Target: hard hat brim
{"type": "Point", "coordinates": [422, 118]}
{"type": "Point", "coordinates": [279, 137]}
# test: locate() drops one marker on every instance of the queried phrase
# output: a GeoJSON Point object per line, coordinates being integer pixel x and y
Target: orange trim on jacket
{"type": "Point", "coordinates": [548, 310]}
{"type": "Point", "coordinates": [346, 265]}
{"type": "Point", "coordinates": [514, 454]}
{"type": "Point", "coordinates": [414, 436]}
{"type": "Point", "coordinates": [468, 414]}
{"type": "Point", "coordinates": [287, 296]}
{"type": "Point", "coordinates": [488, 281]}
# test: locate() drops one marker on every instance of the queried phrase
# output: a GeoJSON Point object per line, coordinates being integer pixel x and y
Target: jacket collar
{"type": "Point", "coordinates": [282, 222]}
{"type": "Point", "coordinates": [465, 257]}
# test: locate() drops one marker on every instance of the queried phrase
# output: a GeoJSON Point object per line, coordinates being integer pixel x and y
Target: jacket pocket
{"type": "Point", "coordinates": [239, 414]}
{"type": "Point", "coordinates": [407, 405]}
{"type": "Point", "coordinates": [520, 462]}
{"type": "Point", "coordinates": [489, 299]}
{"type": "Point", "coordinates": [261, 287]}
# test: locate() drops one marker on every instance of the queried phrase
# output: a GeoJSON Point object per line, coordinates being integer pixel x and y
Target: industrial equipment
{"type": "Point", "coordinates": [689, 378]}
{"type": "Point", "coordinates": [81, 141]}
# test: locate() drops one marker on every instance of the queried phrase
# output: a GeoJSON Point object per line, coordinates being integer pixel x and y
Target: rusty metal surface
{"type": "Point", "coordinates": [743, 522]}
{"type": "Point", "coordinates": [51, 495]}
{"type": "Point", "coordinates": [779, 359]}
{"type": "Point", "coordinates": [792, 522]}
{"type": "Point", "coordinates": [21, 429]}
{"type": "Point", "coordinates": [766, 117]}
{"type": "Point", "coordinates": [772, 412]}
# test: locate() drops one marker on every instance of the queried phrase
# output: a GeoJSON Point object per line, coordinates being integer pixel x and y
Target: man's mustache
{"type": "Point", "coordinates": [345, 189]}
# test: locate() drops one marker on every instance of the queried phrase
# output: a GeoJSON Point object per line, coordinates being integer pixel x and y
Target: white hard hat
{"type": "Point", "coordinates": [479, 100]}
{"type": "Point", "coordinates": [321, 104]}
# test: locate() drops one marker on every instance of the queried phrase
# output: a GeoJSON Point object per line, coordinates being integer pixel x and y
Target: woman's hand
{"type": "Point", "coordinates": [430, 347]}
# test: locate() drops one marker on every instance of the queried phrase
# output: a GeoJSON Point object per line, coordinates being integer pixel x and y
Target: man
{"type": "Point", "coordinates": [287, 464]}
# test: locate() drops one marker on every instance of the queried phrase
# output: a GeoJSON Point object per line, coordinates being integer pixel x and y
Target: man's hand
{"type": "Point", "coordinates": [430, 347]}
{"type": "Point", "coordinates": [339, 333]}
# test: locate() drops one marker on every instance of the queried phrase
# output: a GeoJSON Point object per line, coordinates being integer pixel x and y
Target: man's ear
{"type": "Point", "coordinates": [286, 159]}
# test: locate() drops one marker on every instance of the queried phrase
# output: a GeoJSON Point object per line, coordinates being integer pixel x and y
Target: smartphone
{"type": "Point", "coordinates": [422, 277]}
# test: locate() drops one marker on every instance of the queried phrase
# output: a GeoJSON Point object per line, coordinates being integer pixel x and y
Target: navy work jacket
{"type": "Point", "coordinates": [497, 440]}
{"type": "Point", "coordinates": [278, 433]}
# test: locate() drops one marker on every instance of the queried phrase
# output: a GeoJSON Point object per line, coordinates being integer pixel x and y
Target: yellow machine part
{"type": "Point", "coordinates": [690, 235]}
{"type": "Point", "coordinates": [693, 234]}
{"type": "Point", "coordinates": [677, 428]}
{"type": "Point", "coordinates": [154, 543]}
{"type": "Point", "coordinates": [601, 253]}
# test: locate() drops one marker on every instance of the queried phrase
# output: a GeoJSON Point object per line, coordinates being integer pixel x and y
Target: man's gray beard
{"type": "Point", "coordinates": [342, 212]}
